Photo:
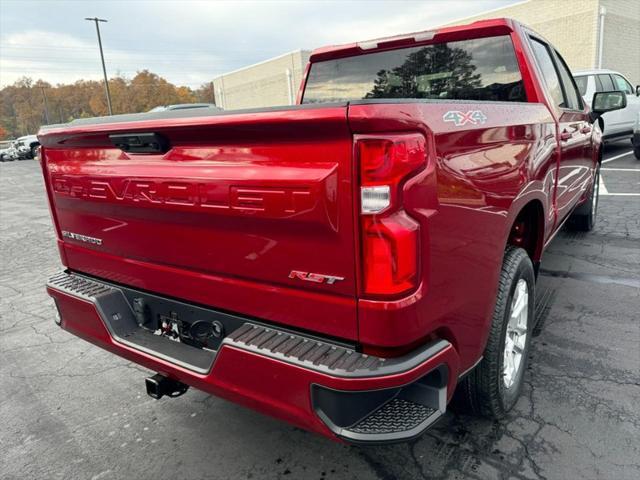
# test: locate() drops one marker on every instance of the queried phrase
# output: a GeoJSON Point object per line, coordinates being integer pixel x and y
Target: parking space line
{"type": "Point", "coordinates": [602, 191]}
{"type": "Point", "coordinates": [617, 157]}
{"type": "Point", "coordinates": [603, 188]}
{"type": "Point", "coordinates": [620, 194]}
{"type": "Point", "coordinates": [620, 169]}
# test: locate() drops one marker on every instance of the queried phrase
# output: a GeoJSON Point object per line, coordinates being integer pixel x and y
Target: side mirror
{"type": "Point", "coordinates": [604, 102]}
{"type": "Point", "coordinates": [637, 90]}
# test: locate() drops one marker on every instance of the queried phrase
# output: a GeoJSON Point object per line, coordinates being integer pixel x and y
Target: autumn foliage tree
{"type": "Point", "coordinates": [22, 105]}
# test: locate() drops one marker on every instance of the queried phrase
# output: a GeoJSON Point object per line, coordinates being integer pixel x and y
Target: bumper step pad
{"type": "Point", "coordinates": [384, 416]}
{"type": "Point", "coordinates": [396, 416]}
{"type": "Point", "coordinates": [294, 348]}
{"type": "Point", "coordinates": [323, 356]}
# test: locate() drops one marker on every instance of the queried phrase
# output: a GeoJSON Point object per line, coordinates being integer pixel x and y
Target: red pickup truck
{"type": "Point", "coordinates": [345, 263]}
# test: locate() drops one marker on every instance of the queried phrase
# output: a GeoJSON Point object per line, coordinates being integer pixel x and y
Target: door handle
{"type": "Point", "coordinates": [566, 135]}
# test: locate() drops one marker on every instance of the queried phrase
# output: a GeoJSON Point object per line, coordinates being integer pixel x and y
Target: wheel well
{"type": "Point", "coordinates": [527, 230]}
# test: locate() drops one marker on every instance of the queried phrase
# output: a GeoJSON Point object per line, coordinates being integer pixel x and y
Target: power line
{"type": "Point", "coordinates": [53, 60]}
{"type": "Point", "coordinates": [204, 83]}
{"type": "Point", "coordinates": [130, 49]}
{"type": "Point", "coordinates": [91, 74]}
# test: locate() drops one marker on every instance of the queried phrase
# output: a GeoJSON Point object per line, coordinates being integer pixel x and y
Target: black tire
{"type": "Point", "coordinates": [583, 218]}
{"type": "Point", "coordinates": [34, 151]}
{"type": "Point", "coordinates": [636, 152]}
{"type": "Point", "coordinates": [484, 391]}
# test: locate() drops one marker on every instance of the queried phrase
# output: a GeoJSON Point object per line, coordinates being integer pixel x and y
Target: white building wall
{"type": "Point", "coordinates": [273, 82]}
{"type": "Point", "coordinates": [621, 46]}
{"type": "Point", "coordinates": [572, 27]}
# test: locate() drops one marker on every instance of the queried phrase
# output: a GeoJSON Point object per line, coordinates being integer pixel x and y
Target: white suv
{"type": "Point", "coordinates": [619, 124]}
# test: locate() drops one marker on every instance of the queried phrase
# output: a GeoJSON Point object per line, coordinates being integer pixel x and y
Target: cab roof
{"type": "Point", "coordinates": [481, 28]}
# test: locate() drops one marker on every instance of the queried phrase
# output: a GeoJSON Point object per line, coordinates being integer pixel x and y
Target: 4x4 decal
{"type": "Point", "coordinates": [474, 117]}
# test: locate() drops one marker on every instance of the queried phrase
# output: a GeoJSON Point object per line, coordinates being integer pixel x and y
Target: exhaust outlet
{"type": "Point", "coordinates": [158, 386]}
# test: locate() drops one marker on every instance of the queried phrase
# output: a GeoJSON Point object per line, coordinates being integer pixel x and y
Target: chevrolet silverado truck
{"type": "Point", "coordinates": [346, 263]}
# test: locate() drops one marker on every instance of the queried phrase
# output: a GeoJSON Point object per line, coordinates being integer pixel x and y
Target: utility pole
{"type": "Point", "coordinates": [46, 107]}
{"type": "Point", "coordinates": [104, 69]}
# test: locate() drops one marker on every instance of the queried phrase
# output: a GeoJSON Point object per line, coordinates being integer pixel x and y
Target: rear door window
{"type": "Point", "coordinates": [605, 81]}
{"type": "Point", "coordinates": [476, 69]}
{"type": "Point", "coordinates": [599, 87]}
{"type": "Point", "coordinates": [573, 99]}
{"type": "Point", "coordinates": [582, 83]}
{"type": "Point", "coordinates": [549, 73]}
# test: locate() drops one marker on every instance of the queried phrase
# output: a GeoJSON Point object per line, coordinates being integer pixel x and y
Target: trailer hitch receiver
{"type": "Point", "coordinates": [158, 386]}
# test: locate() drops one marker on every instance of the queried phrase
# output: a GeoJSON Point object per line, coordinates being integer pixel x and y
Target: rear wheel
{"type": "Point", "coordinates": [583, 218]}
{"type": "Point", "coordinates": [636, 151]}
{"type": "Point", "coordinates": [494, 386]}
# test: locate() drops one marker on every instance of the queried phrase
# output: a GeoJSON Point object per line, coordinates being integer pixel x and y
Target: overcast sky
{"type": "Point", "coordinates": [190, 42]}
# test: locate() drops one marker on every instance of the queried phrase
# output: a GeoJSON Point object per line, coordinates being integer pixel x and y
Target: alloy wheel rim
{"type": "Point", "coordinates": [516, 335]}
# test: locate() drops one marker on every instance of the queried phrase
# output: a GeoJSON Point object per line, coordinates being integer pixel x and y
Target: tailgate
{"type": "Point", "coordinates": [248, 212]}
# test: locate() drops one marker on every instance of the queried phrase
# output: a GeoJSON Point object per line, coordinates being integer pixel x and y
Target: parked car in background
{"type": "Point", "coordinates": [4, 154]}
{"type": "Point", "coordinates": [620, 124]}
{"type": "Point", "coordinates": [4, 150]}
{"type": "Point", "coordinates": [27, 146]}
{"type": "Point", "coordinates": [15, 151]}
{"type": "Point", "coordinates": [183, 106]}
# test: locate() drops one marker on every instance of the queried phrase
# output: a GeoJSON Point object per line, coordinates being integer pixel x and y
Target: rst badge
{"type": "Point", "coordinates": [82, 238]}
{"type": "Point", "coordinates": [459, 119]}
{"type": "Point", "coordinates": [315, 277]}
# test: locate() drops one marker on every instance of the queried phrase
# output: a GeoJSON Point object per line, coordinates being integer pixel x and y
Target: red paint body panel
{"type": "Point", "coordinates": [222, 223]}
{"type": "Point", "coordinates": [241, 200]}
{"type": "Point", "coordinates": [476, 178]}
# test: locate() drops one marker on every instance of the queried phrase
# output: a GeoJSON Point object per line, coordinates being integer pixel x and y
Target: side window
{"type": "Point", "coordinates": [583, 83]}
{"type": "Point", "coordinates": [599, 87]}
{"type": "Point", "coordinates": [548, 71]}
{"type": "Point", "coordinates": [607, 84]}
{"type": "Point", "coordinates": [574, 101]}
{"type": "Point", "coordinates": [622, 84]}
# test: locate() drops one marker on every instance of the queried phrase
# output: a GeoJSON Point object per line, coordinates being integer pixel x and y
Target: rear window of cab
{"type": "Point", "coordinates": [475, 69]}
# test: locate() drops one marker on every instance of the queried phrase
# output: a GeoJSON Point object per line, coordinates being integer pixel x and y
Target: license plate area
{"type": "Point", "coordinates": [179, 321]}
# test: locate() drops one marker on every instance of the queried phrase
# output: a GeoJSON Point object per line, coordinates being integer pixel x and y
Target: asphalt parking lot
{"type": "Point", "coordinates": [70, 410]}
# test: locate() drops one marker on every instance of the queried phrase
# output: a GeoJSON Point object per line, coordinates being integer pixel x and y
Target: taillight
{"type": "Point", "coordinates": [390, 237]}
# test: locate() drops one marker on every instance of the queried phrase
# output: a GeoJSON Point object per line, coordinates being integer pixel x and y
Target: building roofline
{"type": "Point", "coordinates": [299, 50]}
{"type": "Point", "coordinates": [467, 17]}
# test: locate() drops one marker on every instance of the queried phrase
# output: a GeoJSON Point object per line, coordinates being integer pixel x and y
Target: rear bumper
{"type": "Point", "coordinates": [315, 384]}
